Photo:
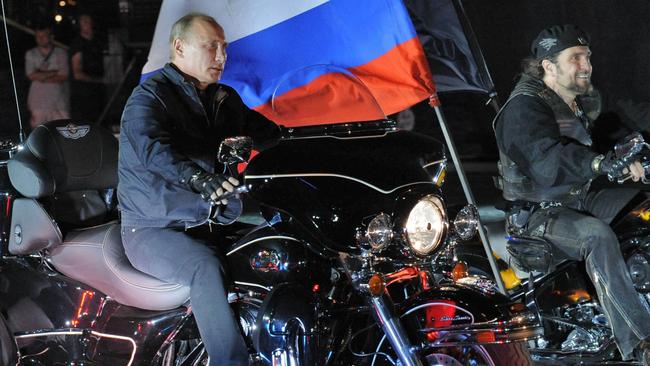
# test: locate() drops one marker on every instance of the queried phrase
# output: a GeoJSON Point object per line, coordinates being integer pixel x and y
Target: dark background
{"type": "Point", "coordinates": [620, 43]}
{"type": "Point", "coordinates": [619, 32]}
{"type": "Point", "coordinates": [132, 22]}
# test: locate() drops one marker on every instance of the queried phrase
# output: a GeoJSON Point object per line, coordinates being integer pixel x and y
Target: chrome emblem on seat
{"type": "Point", "coordinates": [72, 131]}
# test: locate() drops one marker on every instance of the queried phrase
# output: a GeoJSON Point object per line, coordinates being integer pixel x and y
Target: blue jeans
{"type": "Point", "coordinates": [586, 235]}
{"type": "Point", "coordinates": [173, 255]}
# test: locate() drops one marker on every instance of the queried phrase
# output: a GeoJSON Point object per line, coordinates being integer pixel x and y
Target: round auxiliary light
{"type": "Point", "coordinates": [466, 222]}
{"type": "Point", "coordinates": [380, 232]}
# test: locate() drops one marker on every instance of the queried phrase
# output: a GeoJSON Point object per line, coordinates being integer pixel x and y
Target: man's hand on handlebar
{"type": "Point", "coordinates": [629, 159]}
{"type": "Point", "coordinates": [635, 170]}
{"type": "Point", "coordinates": [618, 169]}
{"type": "Point", "coordinates": [213, 186]}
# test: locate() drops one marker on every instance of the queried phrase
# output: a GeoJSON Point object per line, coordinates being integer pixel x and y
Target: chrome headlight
{"type": "Point", "coordinates": [380, 232]}
{"type": "Point", "coordinates": [426, 225]}
{"type": "Point", "coordinates": [466, 222]}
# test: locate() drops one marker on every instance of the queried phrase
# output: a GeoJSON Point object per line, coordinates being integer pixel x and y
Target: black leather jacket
{"type": "Point", "coordinates": [166, 136]}
{"type": "Point", "coordinates": [545, 149]}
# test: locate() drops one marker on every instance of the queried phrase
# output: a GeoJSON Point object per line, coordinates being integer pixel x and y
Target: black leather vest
{"type": "Point", "coordinates": [518, 187]}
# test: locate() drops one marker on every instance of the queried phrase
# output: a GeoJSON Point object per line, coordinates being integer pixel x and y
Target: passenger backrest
{"type": "Point", "coordinates": [67, 173]}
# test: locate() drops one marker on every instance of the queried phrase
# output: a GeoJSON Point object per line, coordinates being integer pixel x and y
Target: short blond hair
{"type": "Point", "coordinates": [182, 28]}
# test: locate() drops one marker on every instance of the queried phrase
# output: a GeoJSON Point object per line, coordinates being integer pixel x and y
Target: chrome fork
{"type": "Point", "coordinates": [392, 327]}
{"type": "Point", "coordinates": [280, 358]}
{"type": "Point", "coordinates": [290, 355]}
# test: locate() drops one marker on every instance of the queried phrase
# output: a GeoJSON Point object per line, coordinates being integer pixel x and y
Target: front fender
{"type": "Point", "coordinates": [8, 348]}
{"type": "Point", "coordinates": [455, 314]}
{"type": "Point", "coordinates": [288, 315]}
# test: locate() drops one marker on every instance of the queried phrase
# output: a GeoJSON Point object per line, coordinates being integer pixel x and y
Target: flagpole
{"type": "Point", "coordinates": [477, 53]}
{"type": "Point", "coordinates": [21, 133]}
{"type": "Point", "coordinates": [435, 103]}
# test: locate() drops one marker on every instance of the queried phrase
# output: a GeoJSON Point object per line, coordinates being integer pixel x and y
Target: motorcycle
{"type": "Point", "coordinates": [576, 329]}
{"type": "Point", "coordinates": [346, 262]}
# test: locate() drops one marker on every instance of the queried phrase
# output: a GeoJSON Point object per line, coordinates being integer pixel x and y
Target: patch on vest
{"type": "Point", "coordinates": [72, 131]}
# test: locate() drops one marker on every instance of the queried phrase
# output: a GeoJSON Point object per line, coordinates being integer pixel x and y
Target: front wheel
{"type": "Point", "coordinates": [510, 354]}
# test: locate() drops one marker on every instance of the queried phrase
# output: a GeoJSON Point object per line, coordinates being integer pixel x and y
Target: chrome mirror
{"type": "Point", "coordinates": [234, 150]}
{"type": "Point", "coordinates": [629, 146]}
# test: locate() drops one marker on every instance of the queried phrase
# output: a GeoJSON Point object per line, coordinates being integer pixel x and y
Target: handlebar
{"type": "Point", "coordinates": [645, 163]}
{"type": "Point", "coordinates": [633, 148]}
{"type": "Point", "coordinates": [236, 192]}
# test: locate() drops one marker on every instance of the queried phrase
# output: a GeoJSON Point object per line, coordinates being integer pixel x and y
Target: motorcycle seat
{"type": "Point", "coordinates": [95, 256]}
{"type": "Point", "coordinates": [67, 173]}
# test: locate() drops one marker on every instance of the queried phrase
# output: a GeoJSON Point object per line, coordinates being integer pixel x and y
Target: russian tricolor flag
{"type": "Point", "coordinates": [269, 40]}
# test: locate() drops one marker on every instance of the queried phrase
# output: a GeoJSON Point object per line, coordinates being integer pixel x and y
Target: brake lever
{"type": "Point", "coordinates": [644, 159]}
{"type": "Point", "coordinates": [623, 178]}
{"type": "Point", "coordinates": [645, 163]}
{"type": "Point", "coordinates": [236, 192]}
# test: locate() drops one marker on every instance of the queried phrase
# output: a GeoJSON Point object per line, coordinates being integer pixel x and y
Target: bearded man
{"type": "Point", "coordinates": [547, 162]}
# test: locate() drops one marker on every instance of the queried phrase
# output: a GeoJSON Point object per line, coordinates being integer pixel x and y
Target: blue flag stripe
{"type": "Point", "coordinates": [341, 32]}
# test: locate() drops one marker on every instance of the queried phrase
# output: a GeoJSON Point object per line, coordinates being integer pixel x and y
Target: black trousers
{"type": "Point", "coordinates": [586, 235]}
{"type": "Point", "coordinates": [174, 256]}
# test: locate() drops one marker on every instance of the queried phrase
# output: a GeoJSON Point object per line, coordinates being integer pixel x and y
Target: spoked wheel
{"type": "Point", "coordinates": [512, 354]}
{"type": "Point", "coordinates": [460, 357]}
{"type": "Point", "coordinates": [489, 355]}
{"type": "Point", "coordinates": [442, 360]}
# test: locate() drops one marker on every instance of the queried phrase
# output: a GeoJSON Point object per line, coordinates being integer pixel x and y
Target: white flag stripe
{"type": "Point", "coordinates": [239, 18]}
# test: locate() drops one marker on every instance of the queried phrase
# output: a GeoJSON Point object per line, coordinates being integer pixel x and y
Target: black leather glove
{"type": "Point", "coordinates": [610, 165]}
{"type": "Point", "coordinates": [213, 186]}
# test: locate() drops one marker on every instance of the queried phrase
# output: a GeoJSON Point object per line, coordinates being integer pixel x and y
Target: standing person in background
{"type": "Point", "coordinates": [46, 67]}
{"type": "Point", "coordinates": [87, 63]}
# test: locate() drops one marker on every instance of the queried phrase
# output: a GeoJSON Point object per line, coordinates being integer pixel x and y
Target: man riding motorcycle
{"type": "Point", "coordinates": [169, 180]}
{"type": "Point", "coordinates": [547, 163]}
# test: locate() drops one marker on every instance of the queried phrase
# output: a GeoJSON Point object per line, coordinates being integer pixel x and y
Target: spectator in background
{"type": "Point", "coordinates": [87, 73]}
{"type": "Point", "coordinates": [47, 67]}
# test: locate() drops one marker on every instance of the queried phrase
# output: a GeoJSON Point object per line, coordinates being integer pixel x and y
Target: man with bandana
{"type": "Point", "coordinates": [547, 162]}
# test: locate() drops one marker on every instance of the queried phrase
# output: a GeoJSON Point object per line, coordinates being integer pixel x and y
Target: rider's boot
{"type": "Point", "coordinates": [642, 353]}
{"type": "Point", "coordinates": [255, 360]}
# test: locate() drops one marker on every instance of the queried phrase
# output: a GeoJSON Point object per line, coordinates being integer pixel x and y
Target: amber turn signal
{"type": "Point", "coordinates": [518, 307]}
{"type": "Point", "coordinates": [486, 337]}
{"type": "Point", "coordinates": [376, 285]}
{"type": "Point", "coordinates": [459, 271]}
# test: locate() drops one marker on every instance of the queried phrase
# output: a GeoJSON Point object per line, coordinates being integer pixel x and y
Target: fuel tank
{"type": "Point", "coordinates": [266, 257]}
{"type": "Point", "coordinates": [329, 178]}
